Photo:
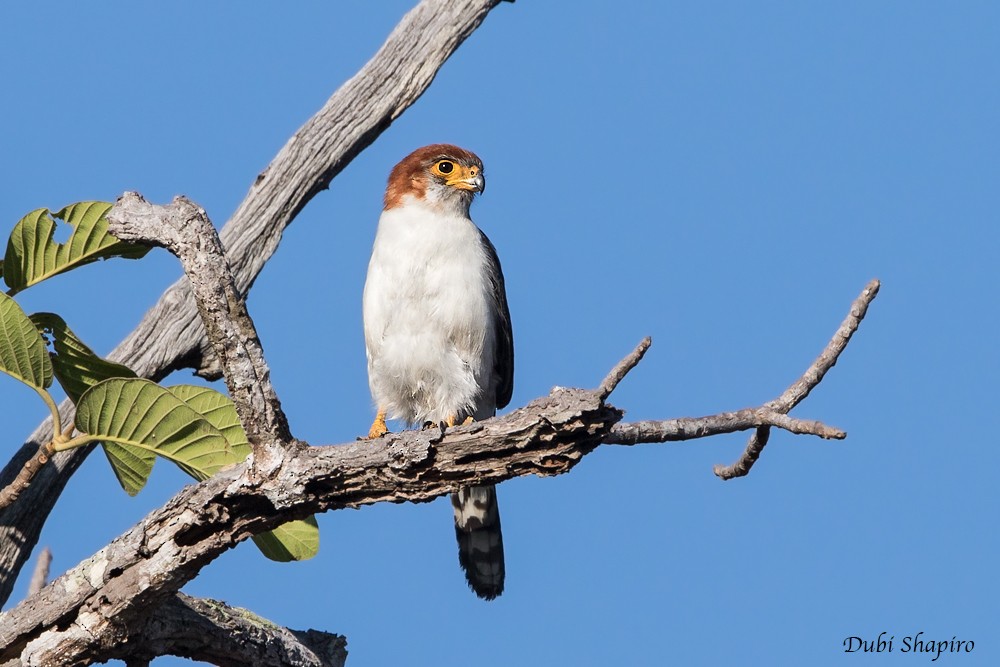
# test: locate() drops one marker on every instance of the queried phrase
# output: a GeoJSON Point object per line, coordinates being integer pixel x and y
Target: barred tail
{"type": "Point", "coordinates": [480, 542]}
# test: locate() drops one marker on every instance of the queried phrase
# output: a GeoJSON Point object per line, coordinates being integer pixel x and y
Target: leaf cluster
{"type": "Point", "coordinates": [134, 420]}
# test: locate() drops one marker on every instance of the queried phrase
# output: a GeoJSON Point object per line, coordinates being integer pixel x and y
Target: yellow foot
{"type": "Point", "coordinates": [378, 428]}
{"type": "Point", "coordinates": [452, 419]}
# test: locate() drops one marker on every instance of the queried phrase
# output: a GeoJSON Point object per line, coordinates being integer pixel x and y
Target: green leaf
{"type": "Point", "coordinates": [295, 540]}
{"type": "Point", "coordinates": [195, 427]}
{"type": "Point", "coordinates": [76, 366]}
{"type": "Point", "coordinates": [33, 255]}
{"type": "Point", "coordinates": [140, 414]}
{"type": "Point", "coordinates": [219, 411]}
{"type": "Point", "coordinates": [131, 465]}
{"type": "Point", "coordinates": [78, 369]}
{"type": "Point", "coordinates": [22, 349]}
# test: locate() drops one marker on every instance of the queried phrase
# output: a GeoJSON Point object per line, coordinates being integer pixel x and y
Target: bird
{"type": "Point", "coordinates": [438, 335]}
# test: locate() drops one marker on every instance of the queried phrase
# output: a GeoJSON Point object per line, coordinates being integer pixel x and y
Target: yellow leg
{"type": "Point", "coordinates": [378, 428]}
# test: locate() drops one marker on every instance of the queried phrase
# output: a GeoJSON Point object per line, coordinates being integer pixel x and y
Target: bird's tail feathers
{"type": "Point", "coordinates": [480, 542]}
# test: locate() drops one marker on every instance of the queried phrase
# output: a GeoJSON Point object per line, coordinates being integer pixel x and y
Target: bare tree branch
{"type": "Point", "coordinates": [690, 428]}
{"type": "Point", "coordinates": [805, 384]}
{"type": "Point", "coordinates": [12, 491]}
{"type": "Point", "coordinates": [83, 611]}
{"type": "Point", "coordinates": [226, 636]}
{"type": "Point", "coordinates": [171, 336]}
{"type": "Point", "coordinates": [760, 419]}
{"type": "Point", "coordinates": [185, 230]}
{"type": "Point", "coordinates": [619, 372]}
{"type": "Point", "coordinates": [41, 573]}
{"type": "Point", "coordinates": [79, 615]}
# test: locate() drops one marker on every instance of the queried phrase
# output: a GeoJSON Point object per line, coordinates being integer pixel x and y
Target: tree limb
{"type": "Point", "coordinates": [806, 383]}
{"type": "Point", "coordinates": [82, 612]}
{"type": "Point", "coordinates": [623, 367]}
{"type": "Point", "coordinates": [78, 615]}
{"type": "Point", "coordinates": [185, 230]}
{"type": "Point", "coordinates": [22, 480]}
{"type": "Point", "coordinates": [170, 336]}
{"type": "Point", "coordinates": [225, 636]}
{"type": "Point", "coordinates": [760, 419]}
{"type": "Point", "coordinates": [41, 572]}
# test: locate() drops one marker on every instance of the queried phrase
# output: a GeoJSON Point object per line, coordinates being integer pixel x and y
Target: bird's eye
{"type": "Point", "coordinates": [445, 166]}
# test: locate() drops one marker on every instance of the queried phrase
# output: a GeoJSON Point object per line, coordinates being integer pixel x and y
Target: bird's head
{"type": "Point", "coordinates": [441, 175]}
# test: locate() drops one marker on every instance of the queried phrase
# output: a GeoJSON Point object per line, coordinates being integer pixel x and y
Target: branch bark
{"type": "Point", "coordinates": [41, 574]}
{"type": "Point", "coordinates": [97, 607]}
{"type": "Point", "coordinates": [185, 230]}
{"type": "Point", "coordinates": [170, 336]}
{"type": "Point", "coordinates": [799, 389]}
{"type": "Point", "coordinates": [80, 616]}
{"type": "Point", "coordinates": [225, 636]}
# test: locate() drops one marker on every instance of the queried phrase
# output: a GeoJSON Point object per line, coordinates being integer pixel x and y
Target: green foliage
{"type": "Point", "coordinates": [33, 255]}
{"type": "Point", "coordinates": [22, 350]}
{"type": "Point", "coordinates": [186, 425]}
{"type": "Point", "coordinates": [76, 366]}
{"type": "Point", "coordinates": [219, 411]}
{"type": "Point", "coordinates": [142, 415]}
{"type": "Point", "coordinates": [135, 420]}
{"type": "Point", "coordinates": [295, 540]}
{"type": "Point", "coordinates": [78, 369]}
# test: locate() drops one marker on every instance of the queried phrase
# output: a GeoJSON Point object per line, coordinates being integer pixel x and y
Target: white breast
{"type": "Point", "coordinates": [429, 331]}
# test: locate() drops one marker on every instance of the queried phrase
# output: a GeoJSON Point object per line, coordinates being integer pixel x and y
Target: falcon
{"type": "Point", "coordinates": [437, 327]}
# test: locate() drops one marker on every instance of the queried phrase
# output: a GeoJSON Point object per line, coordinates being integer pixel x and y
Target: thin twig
{"type": "Point", "coordinates": [805, 384]}
{"type": "Point", "coordinates": [623, 367]}
{"type": "Point", "coordinates": [41, 573]}
{"type": "Point", "coordinates": [9, 494]}
{"type": "Point", "coordinates": [691, 428]}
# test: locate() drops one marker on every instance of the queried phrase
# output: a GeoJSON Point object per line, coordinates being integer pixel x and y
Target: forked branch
{"type": "Point", "coordinates": [185, 230]}
{"type": "Point", "coordinates": [806, 383]}
{"type": "Point", "coordinates": [171, 335]}
{"type": "Point", "coordinates": [70, 621]}
{"type": "Point", "coordinates": [761, 419]}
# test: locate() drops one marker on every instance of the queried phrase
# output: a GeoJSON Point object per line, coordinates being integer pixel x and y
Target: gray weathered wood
{"type": "Point", "coordinates": [171, 336]}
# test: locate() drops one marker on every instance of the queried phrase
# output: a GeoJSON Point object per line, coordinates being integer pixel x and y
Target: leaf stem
{"type": "Point", "coordinates": [70, 443]}
{"type": "Point", "coordinates": [53, 409]}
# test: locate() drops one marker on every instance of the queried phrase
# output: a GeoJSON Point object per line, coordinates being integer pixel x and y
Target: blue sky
{"type": "Point", "coordinates": [722, 176]}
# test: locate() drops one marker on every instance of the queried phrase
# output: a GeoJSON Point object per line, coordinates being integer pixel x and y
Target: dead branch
{"type": "Point", "coordinates": [760, 419]}
{"type": "Point", "coordinates": [171, 336]}
{"type": "Point", "coordinates": [214, 632]}
{"type": "Point", "coordinates": [41, 573]}
{"type": "Point", "coordinates": [806, 383]}
{"type": "Point", "coordinates": [81, 615]}
{"type": "Point", "coordinates": [618, 373]}
{"type": "Point", "coordinates": [185, 230]}
{"type": "Point", "coordinates": [70, 621]}
{"type": "Point", "coordinates": [12, 491]}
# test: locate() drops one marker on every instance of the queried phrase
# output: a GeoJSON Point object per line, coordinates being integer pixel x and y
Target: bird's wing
{"type": "Point", "coordinates": [503, 358]}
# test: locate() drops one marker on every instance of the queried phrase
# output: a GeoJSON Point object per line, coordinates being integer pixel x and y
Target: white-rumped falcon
{"type": "Point", "coordinates": [437, 327]}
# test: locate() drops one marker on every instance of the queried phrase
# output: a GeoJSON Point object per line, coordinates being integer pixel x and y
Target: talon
{"type": "Point", "coordinates": [378, 428]}
{"type": "Point", "coordinates": [453, 420]}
